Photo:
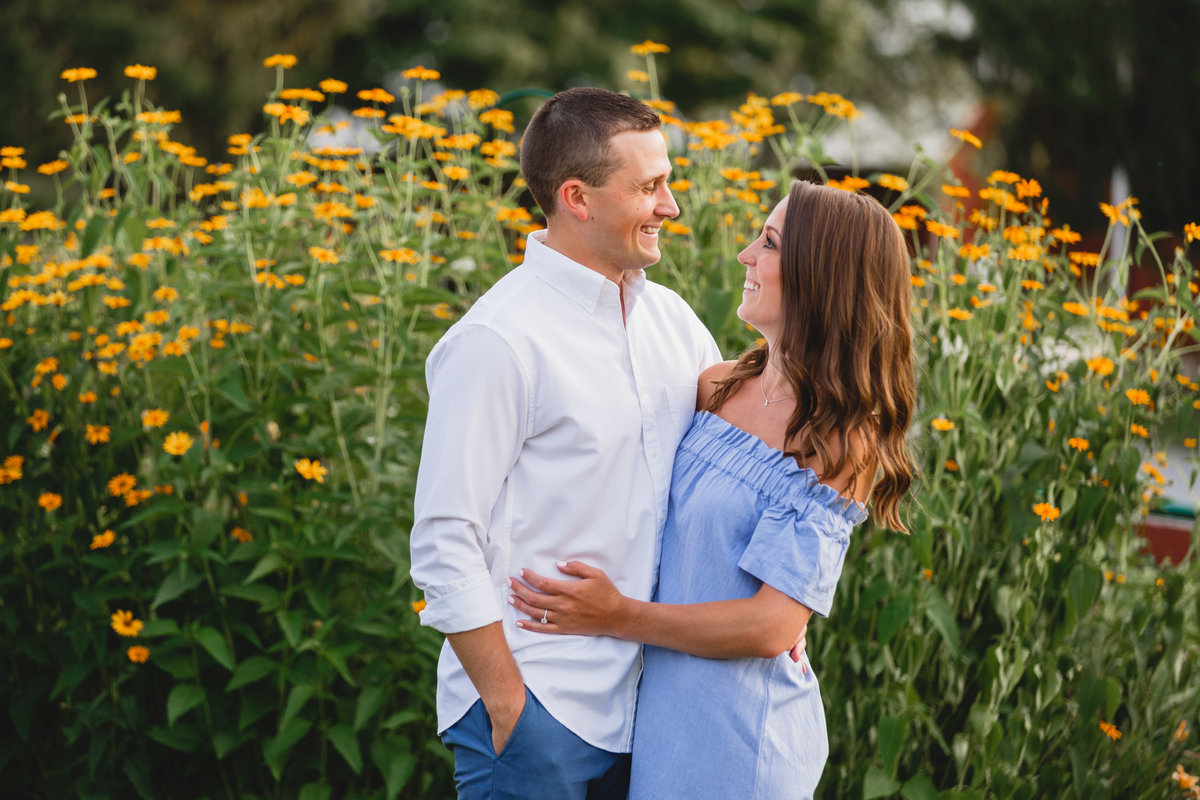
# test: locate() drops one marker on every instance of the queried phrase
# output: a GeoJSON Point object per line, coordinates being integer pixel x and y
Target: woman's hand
{"type": "Point", "coordinates": [591, 605]}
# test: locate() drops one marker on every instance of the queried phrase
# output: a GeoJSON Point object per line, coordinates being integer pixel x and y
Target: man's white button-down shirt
{"type": "Point", "coordinates": [552, 428]}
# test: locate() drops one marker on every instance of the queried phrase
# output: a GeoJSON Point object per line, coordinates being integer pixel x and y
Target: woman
{"type": "Point", "coordinates": [789, 443]}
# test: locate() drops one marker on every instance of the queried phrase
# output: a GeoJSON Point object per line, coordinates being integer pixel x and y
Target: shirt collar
{"type": "Point", "coordinates": [582, 284]}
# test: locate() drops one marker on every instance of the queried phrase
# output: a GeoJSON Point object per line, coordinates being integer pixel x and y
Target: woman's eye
{"type": "Point", "coordinates": [767, 243]}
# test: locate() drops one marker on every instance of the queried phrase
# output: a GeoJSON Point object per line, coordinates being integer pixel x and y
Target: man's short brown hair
{"type": "Point", "coordinates": [570, 137]}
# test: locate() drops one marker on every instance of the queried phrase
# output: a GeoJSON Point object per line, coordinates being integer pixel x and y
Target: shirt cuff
{"type": "Point", "coordinates": [461, 608]}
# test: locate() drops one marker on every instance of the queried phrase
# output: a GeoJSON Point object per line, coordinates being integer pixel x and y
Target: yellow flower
{"type": "Point", "coordinates": [312, 470]}
{"type": "Point", "coordinates": [1078, 309]}
{"type": "Point", "coordinates": [125, 625]}
{"type": "Point", "coordinates": [637, 76]}
{"type": "Point", "coordinates": [49, 500]}
{"type": "Point", "coordinates": [1029, 188]}
{"type": "Point", "coordinates": [647, 47]}
{"type": "Point", "coordinates": [942, 424]}
{"type": "Point", "coordinates": [1192, 231]}
{"type": "Point", "coordinates": [154, 418]}
{"type": "Point", "coordinates": [38, 420]}
{"type": "Point", "coordinates": [376, 95]}
{"type": "Point", "coordinates": [850, 183]}
{"type": "Point", "coordinates": [323, 255]}
{"type": "Point", "coordinates": [421, 74]}
{"type": "Point", "coordinates": [1046, 511]}
{"type": "Point", "coordinates": [102, 540]}
{"type": "Point", "coordinates": [1139, 397]}
{"type": "Point", "coordinates": [940, 229]}
{"type": "Point", "coordinates": [960, 314]}
{"type": "Point", "coordinates": [1139, 430]}
{"type": "Point", "coordinates": [419, 605]}
{"type": "Point", "coordinates": [1100, 365]}
{"type": "Point", "coordinates": [78, 74]}
{"type": "Point", "coordinates": [951, 465]}
{"type": "Point", "coordinates": [141, 73]}
{"type": "Point", "coordinates": [97, 434]}
{"type": "Point", "coordinates": [482, 98]}
{"type": "Point", "coordinates": [966, 136]}
{"type": "Point", "coordinates": [120, 484]}
{"type": "Point", "coordinates": [138, 654]}
{"type": "Point", "coordinates": [1110, 730]}
{"type": "Point", "coordinates": [1181, 733]}
{"type": "Point", "coordinates": [893, 182]}
{"type": "Point", "coordinates": [955, 191]}
{"type": "Point", "coordinates": [1078, 443]}
{"type": "Point", "coordinates": [177, 443]}
{"type": "Point", "coordinates": [1115, 215]}
{"type": "Point", "coordinates": [241, 534]}
{"type": "Point", "coordinates": [284, 60]}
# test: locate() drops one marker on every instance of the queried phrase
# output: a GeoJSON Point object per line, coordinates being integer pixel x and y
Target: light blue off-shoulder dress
{"type": "Point", "coordinates": [741, 514]}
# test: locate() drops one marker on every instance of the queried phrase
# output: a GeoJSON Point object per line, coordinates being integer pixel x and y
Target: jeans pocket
{"type": "Point", "coordinates": [523, 722]}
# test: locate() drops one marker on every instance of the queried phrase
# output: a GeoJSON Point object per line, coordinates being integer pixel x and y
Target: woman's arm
{"type": "Point", "coordinates": [764, 625]}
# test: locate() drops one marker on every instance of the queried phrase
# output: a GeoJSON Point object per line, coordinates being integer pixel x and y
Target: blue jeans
{"type": "Point", "coordinates": [542, 760]}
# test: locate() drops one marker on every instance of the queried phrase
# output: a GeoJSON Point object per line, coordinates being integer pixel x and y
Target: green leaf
{"type": "Point", "coordinates": [225, 742]}
{"type": "Point", "coordinates": [292, 625]}
{"type": "Point", "coordinates": [206, 527]}
{"type": "Point", "coordinates": [877, 784]}
{"type": "Point", "coordinates": [267, 597]}
{"type": "Point", "coordinates": [891, 732]}
{"type": "Point", "coordinates": [394, 757]}
{"type": "Point", "coordinates": [276, 749]}
{"type": "Point", "coordinates": [297, 697]}
{"type": "Point", "coordinates": [892, 618]}
{"type": "Point", "coordinates": [266, 565]}
{"type": "Point", "coordinates": [1083, 587]}
{"type": "Point", "coordinates": [919, 788]}
{"type": "Point", "coordinates": [91, 234]}
{"type": "Point", "coordinates": [183, 698]}
{"type": "Point", "coordinates": [179, 580]}
{"type": "Point", "coordinates": [251, 670]}
{"type": "Point", "coordinates": [316, 791]}
{"type": "Point", "coordinates": [213, 642]}
{"type": "Point", "coordinates": [346, 743]}
{"type": "Point", "coordinates": [369, 701]}
{"type": "Point", "coordinates": [184, 738]}
{"type": "Point", "coordinates": [942, 617]}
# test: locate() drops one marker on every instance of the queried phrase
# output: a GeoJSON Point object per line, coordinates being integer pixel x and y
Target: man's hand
{"type": "Point", "coordinates": [504, 713]}
{"type": "Point", "coordinates": [489, 663]}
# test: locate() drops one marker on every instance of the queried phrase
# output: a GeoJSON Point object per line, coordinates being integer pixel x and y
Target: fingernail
{"type": "Point", "coordinates": [522, 572]}
{"type": "Point", "coordinates": [561, 563]}
{"type": "Point", "coordinates": [512, 599]}
{"type": "Point", "coordinates": [508, 582]}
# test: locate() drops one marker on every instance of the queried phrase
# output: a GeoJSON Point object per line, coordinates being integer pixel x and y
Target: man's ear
{"type": "Point", "coordinates": [572, 199]}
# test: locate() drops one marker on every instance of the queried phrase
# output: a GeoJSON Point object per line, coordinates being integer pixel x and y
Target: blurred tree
{"type": "Point", "coordinates": [1082, 87]}
{"type": "Point", "coordinates": [1077, 86]}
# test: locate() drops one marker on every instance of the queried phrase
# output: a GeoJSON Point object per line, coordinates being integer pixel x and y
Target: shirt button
{"type": "Point", "coordinates": [654, 454]}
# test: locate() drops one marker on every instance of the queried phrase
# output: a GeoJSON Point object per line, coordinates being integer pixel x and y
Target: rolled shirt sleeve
{"type": "Point", "coordinates": [478, 414]}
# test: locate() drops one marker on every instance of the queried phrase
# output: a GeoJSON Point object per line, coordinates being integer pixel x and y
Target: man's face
{"type": "Point", "coordinates": [626, 213]}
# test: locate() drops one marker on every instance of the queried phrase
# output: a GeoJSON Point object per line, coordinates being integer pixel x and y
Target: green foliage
{"type": "Point", "coordinates": [211, 404]}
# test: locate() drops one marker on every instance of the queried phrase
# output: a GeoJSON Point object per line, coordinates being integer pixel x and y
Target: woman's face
{"type": "Point", "coordinates": [762, 297]}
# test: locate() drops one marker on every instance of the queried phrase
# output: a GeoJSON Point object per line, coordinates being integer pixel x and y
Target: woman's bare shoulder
{"type": "Point", "coordinates": [707, 382]}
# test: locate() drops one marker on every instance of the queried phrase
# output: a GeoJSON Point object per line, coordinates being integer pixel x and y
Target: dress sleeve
{"type": "Point", "coordinates": [799, 550]}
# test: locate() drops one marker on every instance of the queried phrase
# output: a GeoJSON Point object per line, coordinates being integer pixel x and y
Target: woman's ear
{"type": "Point", "coordinates": [572, 198]}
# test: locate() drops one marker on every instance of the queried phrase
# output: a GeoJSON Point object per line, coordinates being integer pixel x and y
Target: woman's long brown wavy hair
{"type": "Point", "coordinates": [845, 347]}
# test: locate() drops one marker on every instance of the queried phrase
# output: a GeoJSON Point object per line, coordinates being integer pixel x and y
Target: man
{"type": "Point", "coordinates": [555, 407]}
